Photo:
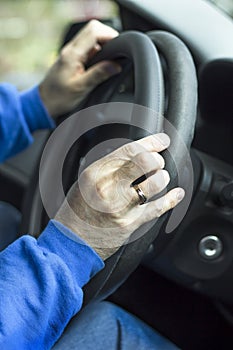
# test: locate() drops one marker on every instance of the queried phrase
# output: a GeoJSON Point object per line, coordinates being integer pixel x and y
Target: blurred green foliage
{"type": "Point", "coordinates": [31, 31]}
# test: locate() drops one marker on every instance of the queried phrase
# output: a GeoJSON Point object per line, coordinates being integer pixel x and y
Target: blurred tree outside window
{"type": "Point", "coordinates": [31, 32]}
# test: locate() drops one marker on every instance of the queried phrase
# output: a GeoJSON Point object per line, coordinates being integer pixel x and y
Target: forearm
{"type": "Point", "coordinates": [41, 287]}
{"type": "Point", "coordinates": [20, 115]}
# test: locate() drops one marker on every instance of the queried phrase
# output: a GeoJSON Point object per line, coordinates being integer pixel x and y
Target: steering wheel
{"type": "Point", "coordinates": [179, 108]}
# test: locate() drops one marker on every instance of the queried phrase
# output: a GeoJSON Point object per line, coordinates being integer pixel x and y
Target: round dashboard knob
{"type": "Point", "coordinates": [226, 195]}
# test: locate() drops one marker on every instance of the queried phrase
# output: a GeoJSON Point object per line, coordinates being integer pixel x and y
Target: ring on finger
{"type": "Point", "coordinates": [140, 193]}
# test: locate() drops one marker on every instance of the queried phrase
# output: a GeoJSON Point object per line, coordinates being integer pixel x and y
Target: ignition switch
{"type": "Point", "coordinates": [210, 247]}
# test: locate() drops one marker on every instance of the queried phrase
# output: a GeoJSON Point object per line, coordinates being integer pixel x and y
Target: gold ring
{"type": "Point", "coordinates": [140, 193]}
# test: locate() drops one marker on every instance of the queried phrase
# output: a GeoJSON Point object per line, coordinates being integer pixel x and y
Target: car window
{"type": "Point", "coordinates": [31, 31]}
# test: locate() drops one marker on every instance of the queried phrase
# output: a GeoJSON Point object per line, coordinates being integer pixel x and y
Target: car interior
{"type": "Point", "coordinates": [177, 60]}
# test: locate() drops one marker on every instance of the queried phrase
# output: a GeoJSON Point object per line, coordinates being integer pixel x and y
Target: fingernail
{"type": "Point", "coordinates": [180, 194]}
{"type": "Point", "coordinates": [164, 139]}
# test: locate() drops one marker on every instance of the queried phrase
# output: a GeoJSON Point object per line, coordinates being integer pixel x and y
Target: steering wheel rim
{"type": "Point", "coordinates": [182, 114]}
{"type": "Point", "coordinates": [131, 44]}
{"type": "Point", "coordinates": [148, 93]}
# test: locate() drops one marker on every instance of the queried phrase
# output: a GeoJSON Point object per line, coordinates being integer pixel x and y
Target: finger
{"type": "Point", "coordinates": [98, 74]}
{"type": "Point", "coordinates": [153, 143]}
{"type": "Point", "coordinates": [94, 51]}
{"type": "Point", "coordinates": [158, 207]}
{"type": "Point", "coordinates": [93, 33]}
{"type": "Point", "coordinates": [152, 185]}
{"type": "Point", "coordinates": [142, 164]}
{"type": "Point", "coordinates": [97, 32]}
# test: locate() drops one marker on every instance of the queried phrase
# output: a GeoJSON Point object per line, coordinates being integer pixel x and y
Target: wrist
{"type": "Point", "coordinates": [34, 110]}
{"type": "Point", "coordinates": [102, 251]}
{"type": "Point", "coordinates": [44, 95]}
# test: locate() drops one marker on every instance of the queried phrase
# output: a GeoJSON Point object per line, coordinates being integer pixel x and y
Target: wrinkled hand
{"type": "Point", "coordinates": [103, 207]}
{"type": "Point", "coordinates": [67, 82]}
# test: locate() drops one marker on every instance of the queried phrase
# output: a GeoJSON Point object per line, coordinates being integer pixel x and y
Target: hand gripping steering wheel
{"type": "Point", "coordinates": [181, 113]}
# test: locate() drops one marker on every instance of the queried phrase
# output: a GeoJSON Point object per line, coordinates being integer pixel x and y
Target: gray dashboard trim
{"type": "Point", "coordinates": [206, 30]}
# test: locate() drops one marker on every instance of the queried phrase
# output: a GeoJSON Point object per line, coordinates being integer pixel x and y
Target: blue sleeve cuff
{"type": "Point", "coordinates": [81, 259]}
{"type": "Point", "coordinates": [34, 111]}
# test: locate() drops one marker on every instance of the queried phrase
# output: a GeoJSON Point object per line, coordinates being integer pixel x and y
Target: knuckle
{"type": "Point", "coordinates": [142, 159]}
{"type": "Point", "coordinates": [160, 160]}
{"type": "Point", "coordinates": [155, 142]}
{"type": "Point", "coordinates": [160, 180]}
{"type": "Point", "coordinates": [92, 25]}
{"type": "Point", "coordinates": [162, 140]}
{"type": "Point", "coordinates": [172, 201]}
{"type": "Point", "coordinates": [130, 149]}
{"type": "Point", "coordinates": [64, 54]}
{"type": "Point", "coordinates": [150, 160]}
{"type": "Point", "coordinates": [166, 176]}
{"type": "Point", "coordinates": [159, 207]}
{"type": "Point", "coordinates": [100, 190]}
{"type": "Point", "coordinates": [93, 22]}
{"type": "Point", "coordinates": [165, 203]}
{"type": "Point", "coordinates": [169, 202]}
{"type": "Point", "coordinates": [117, 219]}
{"type": "Point", "coordinates": [121, 224]}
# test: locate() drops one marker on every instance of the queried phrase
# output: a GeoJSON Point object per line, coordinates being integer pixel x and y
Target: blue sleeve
{"type": "Point", "coordinates": [41, 286]}
{"type": "Point", "coordinates": [20, 115]}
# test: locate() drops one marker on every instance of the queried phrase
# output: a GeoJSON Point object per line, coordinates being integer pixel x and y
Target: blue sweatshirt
{"type": "Point", "coordinates": [40, 280]}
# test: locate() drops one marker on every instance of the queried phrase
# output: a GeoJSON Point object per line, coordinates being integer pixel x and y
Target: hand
{"type": "Point", "coordinates": [67, 82]}
{"type": "Point", "coordinates": [103, 207]}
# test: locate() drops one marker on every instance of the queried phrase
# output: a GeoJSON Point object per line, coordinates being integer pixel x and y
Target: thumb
{"type": "Point", "coordinates": [100, 72]}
